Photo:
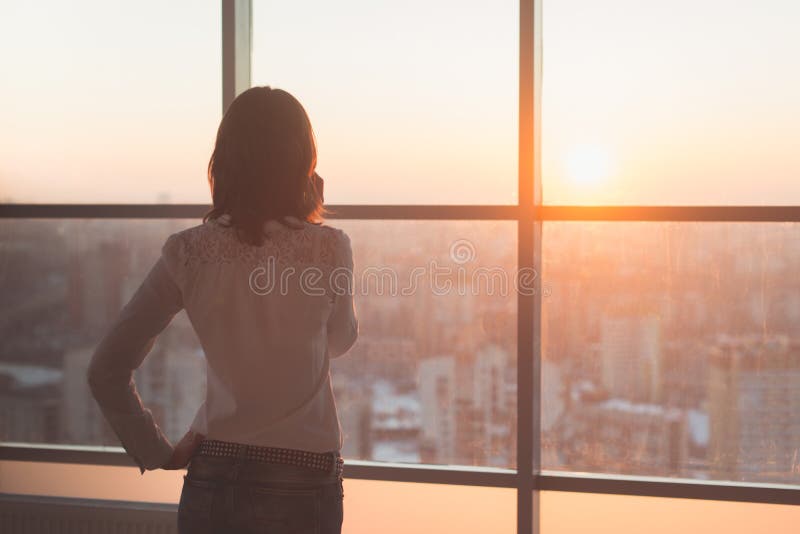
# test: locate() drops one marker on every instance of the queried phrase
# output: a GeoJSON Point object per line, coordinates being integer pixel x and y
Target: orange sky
{"type": "Point", "coordinates": [687, 102]}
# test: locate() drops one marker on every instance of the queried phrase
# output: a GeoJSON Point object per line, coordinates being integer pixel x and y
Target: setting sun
{"type": "Point", "coordinates": [588, 165]}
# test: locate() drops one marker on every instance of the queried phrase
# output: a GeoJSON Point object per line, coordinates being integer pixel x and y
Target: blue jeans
{"type": "Point", "coordinates": [231, 495]}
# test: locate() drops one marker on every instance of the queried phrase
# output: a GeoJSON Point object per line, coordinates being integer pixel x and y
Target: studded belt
{"type": "Point", "coordinates": [323, 461]}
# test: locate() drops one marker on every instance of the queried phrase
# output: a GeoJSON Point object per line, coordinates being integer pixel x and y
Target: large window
{"type": "Point", "coordinates": [412, 103]}
{"type": "Point", "coordinates": [671, 349]}
{"type": "Point", "coordinates": [430, 380]}
{"type": "Point", "coordinates": [686, 102]}
{"type": "Point", "coordinates": [613, 234]}
{"type": "Point", "coordinates": [108, 101]}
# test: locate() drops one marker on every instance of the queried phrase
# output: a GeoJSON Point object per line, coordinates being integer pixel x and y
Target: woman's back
{"type": "Point", "coordinates": [269, 317]}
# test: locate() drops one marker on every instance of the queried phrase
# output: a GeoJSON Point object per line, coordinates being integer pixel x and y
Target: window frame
{"type": "Point", "coordinates": [530, 214]}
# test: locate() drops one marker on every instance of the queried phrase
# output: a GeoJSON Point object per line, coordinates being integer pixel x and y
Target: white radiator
{"type": "Point", "coordinates": [25, 514]}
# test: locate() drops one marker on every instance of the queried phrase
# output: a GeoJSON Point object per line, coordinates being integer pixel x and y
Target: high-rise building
{"type": "Point", "coordinates": [437, 392]}
{"type": "Point", "coordinates": [172, 380]}
{"type": "Point", "coordinates": [395, 423]}
{"type": "Point", "coordinates": [492, 410]}
{"type": "Point", "coordinates": [630, 354]}
{"type": "Point", "coordinates": [82, 421]}
{"type": "Point", "coordinates": [354, 406]}
{"type": "Point", "coordinates": [29, 403]}
{"type": "Point", "coordinates": [754, 407]}
{"type": "Point", "coordinates": [467, 408]}
{"type": "Point", "coordinates": [620, 436]}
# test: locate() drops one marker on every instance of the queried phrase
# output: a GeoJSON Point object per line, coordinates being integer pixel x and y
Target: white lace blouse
{"type": "Point", "coordinates": [269, 318]}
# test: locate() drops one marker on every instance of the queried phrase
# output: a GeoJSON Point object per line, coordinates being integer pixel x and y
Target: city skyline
{"type": "Point", "coordinates": [629, 333]}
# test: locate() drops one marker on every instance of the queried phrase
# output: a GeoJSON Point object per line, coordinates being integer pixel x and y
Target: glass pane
{"type": "Point", "coordinates": [63, 283]}
{"type": "Point", "coordinates": [623, 514]}
{"type": "Point", "coordinates": [367, 503]}
{"type": "Point", "coordinates": [687, 102]}
{"type": "Point", "coordinates": [108, 101]}
{"type": "Point", "coordinates": [412, 102]}
{"type": "Point", "coordinates": [431, 378]}
{"type": "Point", "coordinates": [672, 349]}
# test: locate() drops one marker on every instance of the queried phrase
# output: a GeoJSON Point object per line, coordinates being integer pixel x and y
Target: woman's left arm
{"type": "Point", "coordinates": [121, 352]}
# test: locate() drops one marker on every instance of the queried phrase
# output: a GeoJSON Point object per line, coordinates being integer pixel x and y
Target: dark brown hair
{"type": "Point", "coordinates": [262, 167]}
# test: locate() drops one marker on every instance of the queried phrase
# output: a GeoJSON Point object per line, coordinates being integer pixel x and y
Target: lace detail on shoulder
{"type": "Point", "coordinates": [217, 243]}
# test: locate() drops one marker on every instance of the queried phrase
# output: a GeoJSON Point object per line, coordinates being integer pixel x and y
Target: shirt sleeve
{"type": "Point", "coordinates": [121, 352]}
{"type": "Point", "coordinates": [342, 323]}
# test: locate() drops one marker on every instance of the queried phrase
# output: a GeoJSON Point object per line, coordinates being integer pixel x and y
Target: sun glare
{"type": "Point", "coordinates": [588, 165]}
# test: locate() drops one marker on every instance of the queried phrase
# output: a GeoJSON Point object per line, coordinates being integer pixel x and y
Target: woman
{"type": "Point", "coordinates": [268, 289]}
